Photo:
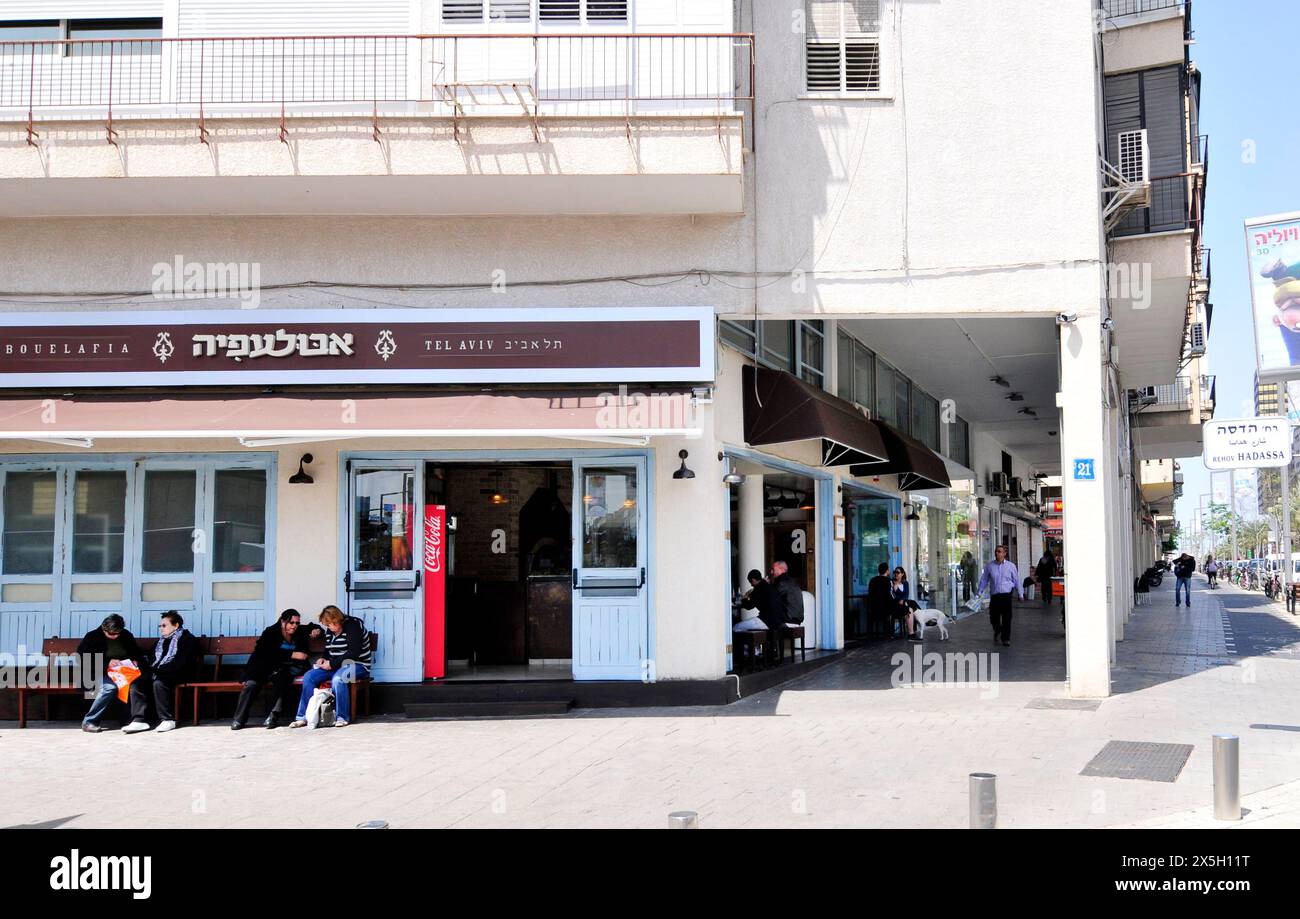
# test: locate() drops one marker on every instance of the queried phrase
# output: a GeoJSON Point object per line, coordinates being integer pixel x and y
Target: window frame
{"type": "Point", "coordinates": [535, 22]}
{"type": "Point", "coordinates": [884, 39]}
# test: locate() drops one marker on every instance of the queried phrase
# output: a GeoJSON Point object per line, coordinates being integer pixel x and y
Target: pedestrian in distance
{"type": "Point", "coordinates": [1184, 565]}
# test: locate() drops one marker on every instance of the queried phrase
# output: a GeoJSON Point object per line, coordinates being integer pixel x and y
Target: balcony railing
{"type": "Point", "coordinates": [1175, 395]}
{"type": "Point", "coordinates": [531, 76]}
{"type": "Point", "coordinates": [1116, 8]}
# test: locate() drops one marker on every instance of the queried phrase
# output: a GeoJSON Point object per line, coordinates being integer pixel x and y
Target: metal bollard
{"type": "Point", "coordinates": [1227, 777]}
{"type": "Point", "coordinates": [983, 801]}
{"type": "Point", "coordinates": [683, 820]}
{"type": "Point", "coordinates": [373, 825]}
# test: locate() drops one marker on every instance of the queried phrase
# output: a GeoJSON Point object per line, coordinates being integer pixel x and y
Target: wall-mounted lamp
{"type": "Point", "coordinates": [911, 512]}
{"type": "Point", "coordinates": [683, 472]}
{"type": "Point", "coordinates": [301, 477]}
{"type": "Point", "coordinates": [733, 477]}
{"type": "Point", "coordinates": [1108, 325]}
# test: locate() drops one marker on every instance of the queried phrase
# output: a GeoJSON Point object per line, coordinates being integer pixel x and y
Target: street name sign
{"type": "Point", "coordinates": [1247, 443]}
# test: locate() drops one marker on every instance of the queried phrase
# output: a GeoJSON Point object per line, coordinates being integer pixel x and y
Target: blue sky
{"type": "Point", "coordinates": [1245, 50]}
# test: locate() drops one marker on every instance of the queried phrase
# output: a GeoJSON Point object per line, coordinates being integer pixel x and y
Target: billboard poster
{"type": "Point", "coordinates": [1273, 254]}
{"type": "Point", "coordinates": [1220, 487]}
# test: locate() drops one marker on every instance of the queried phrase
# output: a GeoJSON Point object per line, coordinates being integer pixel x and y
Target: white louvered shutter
{"type": "Point", "coordinates": [843, 45]}
{"type": "Point", "coordinates": [559, 10]}
{"type": "Point", "coordinates": [606, 10]}
{"type": "Point", "coordinates": [462, 10]}
{"type": "Point", "coordinates": [511, 11]}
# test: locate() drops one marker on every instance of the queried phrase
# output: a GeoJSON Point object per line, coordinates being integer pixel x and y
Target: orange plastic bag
{"type": "Point", "coordinates": [122, 676]}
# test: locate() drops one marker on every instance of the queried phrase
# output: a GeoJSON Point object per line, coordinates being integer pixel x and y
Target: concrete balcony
{"type": "Point", "coordinates": [1145, 33]}
{"type": "Point", "coordinates": [436, 125]}
{"type": "Point", "coordinates": [1172, 426]}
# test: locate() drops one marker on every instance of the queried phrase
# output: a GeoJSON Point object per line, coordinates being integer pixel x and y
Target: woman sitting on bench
{"type": "Point", "coordinates": [348, 657]}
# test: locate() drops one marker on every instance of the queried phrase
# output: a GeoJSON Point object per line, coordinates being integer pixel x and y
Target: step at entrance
{"type": "Point", "coordinates": [506, 708]}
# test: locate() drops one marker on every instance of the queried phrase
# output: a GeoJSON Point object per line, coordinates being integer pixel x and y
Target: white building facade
{"type": "Point", "coordinates": [286, 228]}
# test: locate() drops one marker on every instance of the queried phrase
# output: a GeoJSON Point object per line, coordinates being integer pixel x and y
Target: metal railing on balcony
{"type": "Point", "coordinates": [1175, 395]}
{"type": "Point", "coordinates": [1207, 394]}
{"type": "Point", "coordinates": [532, 76]}
{"type": "Point", "coordinates": [1117, 8]}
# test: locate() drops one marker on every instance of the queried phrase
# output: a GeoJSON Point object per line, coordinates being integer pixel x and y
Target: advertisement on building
{"type": "Point", "coordinates": [1273, 254]}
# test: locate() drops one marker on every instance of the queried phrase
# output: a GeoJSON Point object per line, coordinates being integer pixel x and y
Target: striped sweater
{"type": "Point", "coordinates": [352, 644]}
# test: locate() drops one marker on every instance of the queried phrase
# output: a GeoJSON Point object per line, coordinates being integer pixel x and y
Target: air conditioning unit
{"type": "Point", "coordinates": [1134, 162]}
{"type": "Point", "coordinates": [1147, 395]}
{"type": "Point", "coordinates": [998, 484]}
{"type": "Point", "coordinates": [1196, 340]}
{"type": "Point", "coordinates": [1016, 491]}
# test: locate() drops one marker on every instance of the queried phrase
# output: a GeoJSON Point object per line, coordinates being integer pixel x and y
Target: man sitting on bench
{"type": "Point", "coordinates": [114, 644]}
{"type": "Point", "coordinates": [279, 656]}
{"type": "Point", "coordinates": [349, 657]}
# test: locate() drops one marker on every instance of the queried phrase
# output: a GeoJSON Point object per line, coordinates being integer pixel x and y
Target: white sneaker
{"type": "Point", "coordinates": [135, 727]}
{"type": "Point", "coordinates": [167, 726]}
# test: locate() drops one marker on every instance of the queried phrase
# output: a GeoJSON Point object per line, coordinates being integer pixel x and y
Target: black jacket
{"type": "Point", "coordinates": [96, 642]}
{"type": "Point", "coordinates": [1046, 569]}
{"type": "Point", "coordinates": [787, 601]}
{"type": "Point", "coordinates": [184, 663]}
{"type": "Point", "coordinates": [762, 599]}
{"type": "Point", "coordinates": [1184, 567]}
{"type": "Point", "coordinates": [272, 652]}
{"type": "Point", "coordinates": [880, 598]}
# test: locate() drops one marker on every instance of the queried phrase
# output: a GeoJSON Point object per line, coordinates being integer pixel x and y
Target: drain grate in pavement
{"type": "Point", "coordinates": [1138, 759]}
{"type": "Point", "coordinates": [1078, 705]}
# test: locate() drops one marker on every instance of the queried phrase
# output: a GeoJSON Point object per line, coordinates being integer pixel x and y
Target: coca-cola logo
{"type": "Point", "coordinates": [433, 543]}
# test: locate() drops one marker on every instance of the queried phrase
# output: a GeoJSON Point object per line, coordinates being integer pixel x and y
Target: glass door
{"type": "Point", "coordinates": [610, 610]}
{"type": "Point", "coordinates": [382, 575]}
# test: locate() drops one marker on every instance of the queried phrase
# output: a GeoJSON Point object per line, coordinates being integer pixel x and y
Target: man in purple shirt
{"type": "Point", "coordinates": [1003, 580]}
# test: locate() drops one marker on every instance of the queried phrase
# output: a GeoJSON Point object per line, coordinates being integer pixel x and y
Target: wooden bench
{"type": "Point", "coordinates": [224, 646]}
{"type": "Point", "coordinates": [56, 652]}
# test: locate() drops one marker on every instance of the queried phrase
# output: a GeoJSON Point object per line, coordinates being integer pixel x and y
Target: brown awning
{"type": "Point", "coordinates": [325, 416]}
{"type": "Point", "coordinates": [781, 408]}
{"type": "Point", "coordinates": [916, 465]}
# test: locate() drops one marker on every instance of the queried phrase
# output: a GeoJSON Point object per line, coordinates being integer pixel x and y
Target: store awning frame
{"type": "Point", "coordinates": [268, 420]}
{"type": "Point", "coordinates": [917, 466]}
{"type": "Point", "coordinates": [781, 408]}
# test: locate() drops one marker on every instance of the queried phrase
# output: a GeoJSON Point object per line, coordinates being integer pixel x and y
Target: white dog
{"type": "Point", "coordinates": [315, 704]}
{"type": "Point", "coordinates": [925, 617]}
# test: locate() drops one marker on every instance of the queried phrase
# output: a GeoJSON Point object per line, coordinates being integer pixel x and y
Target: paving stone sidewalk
{"type": "Point", "coordinates": [844, 746]}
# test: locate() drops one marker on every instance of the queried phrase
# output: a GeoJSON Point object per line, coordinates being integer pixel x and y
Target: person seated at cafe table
{"type": "Point", "coordinates": [756, 604]}
{"type": "Point", "coordinates": [348, 658]}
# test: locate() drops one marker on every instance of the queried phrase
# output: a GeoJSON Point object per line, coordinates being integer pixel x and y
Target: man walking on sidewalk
{"type": "Point", "coordinates": [1003, 580]}
{"type": "Point", "coordinates": [1184, 565]}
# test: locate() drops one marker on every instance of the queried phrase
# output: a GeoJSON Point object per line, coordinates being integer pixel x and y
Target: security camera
{"type": "Point", "coordinates": [1066, 318]}
{"type": "Point", "coordinates": [1108, 325]}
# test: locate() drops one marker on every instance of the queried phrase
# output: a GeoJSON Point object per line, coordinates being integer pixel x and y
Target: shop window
{"type": "Point", "coordinates": [239, 520]}
{"type": "Point", "coordinates": [812, 352]}
{"type": "Point", "coordinates": [169, 543]}
{"type": "Point", "coordinates": [959, 441]}
{"type": "Point", "coordinates": [886, 405]}
{"type": "Point", "coordinates": [99, 522]}
{"type": "Point", "coordinates": [609, 518]}
{"type": "Point", "coordinates": [384, 507]}
{"type": "Point", "coordinates": [29, 502]}
{"type": "Point", "coordinates": [903, 397]}
{"type": "Point", "coordinates": [925, 418]}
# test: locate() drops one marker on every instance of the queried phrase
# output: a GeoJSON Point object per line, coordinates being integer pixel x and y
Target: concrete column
{"type": "Point", "coordinates": [750, 538]}
{"type": "Point", "coordinates": [1084, 434]}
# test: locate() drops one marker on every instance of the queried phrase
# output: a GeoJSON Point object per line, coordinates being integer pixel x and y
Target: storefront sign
{"type": "Point", "coordinates": [1247, 443]}
{"type": "Point", "coordinates": [222, 347]}
{"type": "Point", "coordinates": [435, 591]}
